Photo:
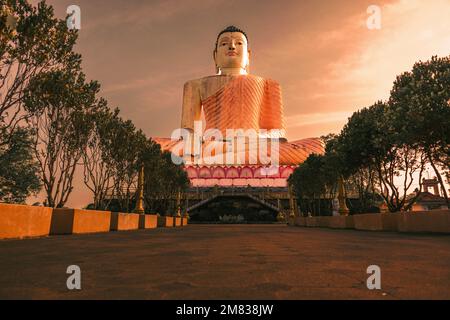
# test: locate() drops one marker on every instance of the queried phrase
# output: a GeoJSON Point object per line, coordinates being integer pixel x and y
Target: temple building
{"type": "Point", "coordinates": [429, 201]}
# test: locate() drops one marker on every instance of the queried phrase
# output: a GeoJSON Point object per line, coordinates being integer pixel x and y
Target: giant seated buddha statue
{"type": "Point", "coordinates": [233, 100]}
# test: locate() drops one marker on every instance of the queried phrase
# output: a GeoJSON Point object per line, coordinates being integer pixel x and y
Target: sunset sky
{"type": "Point", "coordinates": [327, 61]}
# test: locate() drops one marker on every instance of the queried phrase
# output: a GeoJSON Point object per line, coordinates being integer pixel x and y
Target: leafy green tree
{"type": "Point", "coordinates": [154, 164]}
{"type": "Point", "coordinates": [98, 154]}
{"type": "Point", "coordinates": [36, 42]}
{"type": "Point", "coordinates": [32, 42]}
{"type": "Point", "coordinates": [370, 142]}
{"type": "Point", "coordinates": [18, 168]}
{"type": "Point", "coordinates": [164, 180]}
{"type": "Point", "coordinates": [127, 144]}
{"type": "Point", "coordinates": [333, 164]}
{"type": "Point", "coordinates": [60, 104]}
{"type": "Point", "coordinates": [360, 182]}
{"type": "Point", "coordinates": [309, 182]}
{"type": "Point", "coordinates": [420, 112]}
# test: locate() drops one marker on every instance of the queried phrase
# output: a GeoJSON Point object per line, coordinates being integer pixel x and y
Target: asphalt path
{"type": "Point", "coordinates": [228, 262]}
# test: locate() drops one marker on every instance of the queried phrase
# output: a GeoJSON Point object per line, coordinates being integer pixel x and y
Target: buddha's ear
{"type": "Point", "coordinates": [247, 67]}
{"type": "Point", "coordinates": [215, 60]}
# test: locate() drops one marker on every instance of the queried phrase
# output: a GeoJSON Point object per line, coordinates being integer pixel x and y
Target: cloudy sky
{"type": "Point", "coordinates": [327, 61]}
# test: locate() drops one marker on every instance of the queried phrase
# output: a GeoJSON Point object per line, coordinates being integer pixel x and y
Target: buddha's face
{"type": "Point", "coordinates": [232, 51]}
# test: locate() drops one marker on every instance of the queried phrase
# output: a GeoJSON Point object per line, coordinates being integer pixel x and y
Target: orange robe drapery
{"type": "Point", "coordinates": [245, 102]}
{"type": "Point", "coordinates": [250, 102]}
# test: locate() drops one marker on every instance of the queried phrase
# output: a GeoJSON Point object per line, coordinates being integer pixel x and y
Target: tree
{"type": "Point", "coordinates": [361, 181]}
{"type": "Point", "coordinates": [309, 182]}
{"type": "Point", "coordinates": [32, 42]}
{"type": "Point", "coordinates": [98, 167]}
{"type": "Point", "coordinates": [127, 145]}
{"type": "Point", "coordinates": [35, 43]}
{"type": "Point", "coordinates": [18, 169]}
{"type": "Point", "coordinates": [154, 164]}
{"type": "Point", "coordinates": [164, 180]}
{"type": "Point", "coordinates": [370, 142]}
{"type": "Point", "coordinates": [60, 104]}
{"type": "Point", "coordinates": [333, 164]}
{"type": "Point", "coordinates": [420, 112]}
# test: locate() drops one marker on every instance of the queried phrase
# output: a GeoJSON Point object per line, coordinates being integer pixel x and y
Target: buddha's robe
{"type": "Point", "coordinates": [246, 102]}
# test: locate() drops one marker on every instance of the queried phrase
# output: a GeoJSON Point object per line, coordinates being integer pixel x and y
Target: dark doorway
{"type": "Point", "coordinates": [233, 209]}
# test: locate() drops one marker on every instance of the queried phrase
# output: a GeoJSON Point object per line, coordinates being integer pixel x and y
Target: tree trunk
{"type": "Point", "coordinates": [441, 182]}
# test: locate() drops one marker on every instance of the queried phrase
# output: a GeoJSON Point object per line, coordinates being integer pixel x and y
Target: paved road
{"type": "Point", "coordinates": [228, 262]}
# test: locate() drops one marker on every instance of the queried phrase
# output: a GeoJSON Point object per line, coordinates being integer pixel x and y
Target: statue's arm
{"type": "Point", "coordinates": [192, 105]}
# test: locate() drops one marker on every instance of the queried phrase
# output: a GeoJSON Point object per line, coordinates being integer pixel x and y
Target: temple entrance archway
{"type": "Point", "coordinates": [233, 209]}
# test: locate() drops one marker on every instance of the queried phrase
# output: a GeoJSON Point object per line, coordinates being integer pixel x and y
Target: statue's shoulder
{"type": "Point", "coordinates": [192, 83]}
{"type": "Point", "coordinates": [272, 82]}
{"type": "Point", "coordinates": [201, 82]}
{"type": "Point", "coordinates": [216, 81]}
{"type": "Point", "coordinates": [207, 82]}
{"type": "Point", "coordinates": [268, 81]}
{"type": "Point", "coordinates": [213, 78]}
{"type": "Point", "coordinates": [205, 86]}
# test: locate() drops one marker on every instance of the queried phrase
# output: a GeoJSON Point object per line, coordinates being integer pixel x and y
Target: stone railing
{"type": "Point", "coordinates": [21, 221]}
{"type": "Point", "coordinates": [436, 221]}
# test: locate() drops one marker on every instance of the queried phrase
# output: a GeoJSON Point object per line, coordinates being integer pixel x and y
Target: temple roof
{"type": "Point", "coordinates": [427, 197]}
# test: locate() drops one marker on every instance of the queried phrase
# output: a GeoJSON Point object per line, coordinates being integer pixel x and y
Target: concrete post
{"type": "Point", "coordinates": [140, 193]}
{"type": "Point", "coordinates": [343, 210]}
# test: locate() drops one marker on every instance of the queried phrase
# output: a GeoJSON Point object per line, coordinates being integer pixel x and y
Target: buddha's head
{"type": "Point", "coordinates": [231, 51]}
